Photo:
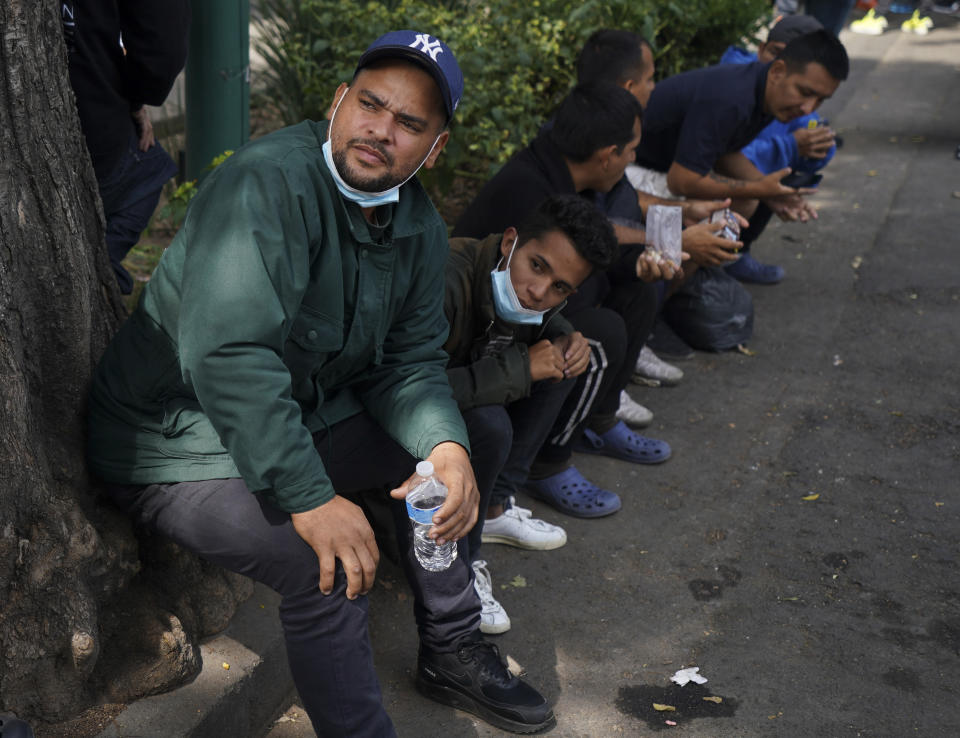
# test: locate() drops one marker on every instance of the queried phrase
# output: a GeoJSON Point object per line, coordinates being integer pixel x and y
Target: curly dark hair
{"type": "Point", "coordinates": [586, 227]}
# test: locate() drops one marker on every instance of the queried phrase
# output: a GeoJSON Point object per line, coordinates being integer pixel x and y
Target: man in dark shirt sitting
{"type": "Point", "coordinates": [585, 152]}
{"type": "Point", "coordinates": [697, 122]}
{"type": "Point", "coordinates": [514, 360]}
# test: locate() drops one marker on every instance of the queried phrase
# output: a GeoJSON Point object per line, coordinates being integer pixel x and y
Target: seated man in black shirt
{"type": "Point", "coordinates": [697, 122]}
{"type": "Point", "coordinates": [595, 132]}
{"type": "Point", "coordinates": [626, 59]}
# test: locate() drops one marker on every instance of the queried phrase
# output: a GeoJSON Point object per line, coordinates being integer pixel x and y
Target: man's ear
{"type": "Point", "coordinates": [437, 148]}
{"type": "Point", "coordinates": [778, 70]}
{"type": "Point", "coordinates": [341, 91]}
{"type": "Point", "coordinates": [506, 242]}
{"type": "Point", "coordinates": [604, 155]}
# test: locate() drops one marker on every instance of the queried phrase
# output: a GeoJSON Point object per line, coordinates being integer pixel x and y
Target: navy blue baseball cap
{"type": "Point", "coordinates": [427, 51]}
{"type": "Point", "coordinates": [790, 26]}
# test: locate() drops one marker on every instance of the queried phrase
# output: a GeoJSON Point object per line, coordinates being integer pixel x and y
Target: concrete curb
{"type": "Point", "coordinates": [221, 702]}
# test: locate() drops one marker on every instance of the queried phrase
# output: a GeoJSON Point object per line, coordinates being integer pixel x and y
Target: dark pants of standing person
{"type": "Point", "coordinates": [758, 223]}
{"type": "Point", "coordinates": [504, 442]}
{"type": "Point", "coordinates": [328, 644]}
{"type": "Point", "coordinates": [833, 13]}
{"type": "Point", "coordinates": [130, 193]}
{"type": "Point", "coordinates": [616, 333]}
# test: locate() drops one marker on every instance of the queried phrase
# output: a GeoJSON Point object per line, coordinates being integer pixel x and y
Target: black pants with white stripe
{"type": "Point", "coordinates": [616, 330]}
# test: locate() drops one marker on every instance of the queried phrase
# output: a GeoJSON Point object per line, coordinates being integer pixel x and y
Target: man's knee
{"type": "Point", "coordinates": [606, 332]}
{"type": "Point", "coordinates": [490, 432]}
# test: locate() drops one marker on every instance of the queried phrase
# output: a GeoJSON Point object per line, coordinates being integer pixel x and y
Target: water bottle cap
{"type": "Point", "coordinates": [425, 469]}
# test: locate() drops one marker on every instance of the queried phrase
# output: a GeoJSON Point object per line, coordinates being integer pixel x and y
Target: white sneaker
{"type": "Point", "coordinates": [654, 371]}
{"type": "Point", "coordinates": [493, 618]}
{"type": "Point", "coordinates": [632, 412]}
{"type": "Point", "coordinates": [516, 527]}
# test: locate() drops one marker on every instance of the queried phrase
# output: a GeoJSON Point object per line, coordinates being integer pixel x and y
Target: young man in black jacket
{"type": "Point", "coordinates": [594, 135]}
{"type": "Point", "coordinates": [513, 361]}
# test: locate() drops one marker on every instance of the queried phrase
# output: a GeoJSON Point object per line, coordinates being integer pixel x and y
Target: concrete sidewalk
{"type": "Point", "coordinates": [837, 615]}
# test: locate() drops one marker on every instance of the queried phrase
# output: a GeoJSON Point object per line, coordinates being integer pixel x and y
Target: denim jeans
{"type": "Point", "coordinates": [505, 440]}
{"type": "Point", "coordinates": [328, 644]}
{"type": "Point", "coordinates": [130, 193]}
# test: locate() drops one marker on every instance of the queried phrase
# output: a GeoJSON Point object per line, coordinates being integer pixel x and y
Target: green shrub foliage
{"type": "Point", "coordinates": [517, 57]}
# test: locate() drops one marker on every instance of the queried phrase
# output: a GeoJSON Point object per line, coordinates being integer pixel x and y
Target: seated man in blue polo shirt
{"type": "Point", "coordinates": [805, 144]}
{"type": "Point", "coordinates": [697, 123]}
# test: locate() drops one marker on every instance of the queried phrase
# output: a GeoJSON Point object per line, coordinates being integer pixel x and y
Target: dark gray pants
{"type": "Point", "coordinates": [328, 645]}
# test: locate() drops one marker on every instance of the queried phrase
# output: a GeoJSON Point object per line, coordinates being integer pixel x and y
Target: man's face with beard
{"type": "Point", "coordinates": [386, 124]}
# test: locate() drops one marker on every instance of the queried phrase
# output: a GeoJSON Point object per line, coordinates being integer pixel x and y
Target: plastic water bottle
{"type": "Point", "coordinates": [422, 502]}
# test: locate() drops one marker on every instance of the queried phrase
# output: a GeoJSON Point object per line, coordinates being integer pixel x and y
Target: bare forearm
{"type": "Point", "coordinates": [709, 186]}
{"type": "Point", "coordinates": [625, 234]}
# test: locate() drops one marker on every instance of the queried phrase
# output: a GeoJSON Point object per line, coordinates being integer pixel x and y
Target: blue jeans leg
{"type": "Point", "coordinates": [130, 194]}
{"type": "Point", "coordinates": [491, 434]}
{"type": "Point", "coordinates": [532, 418]}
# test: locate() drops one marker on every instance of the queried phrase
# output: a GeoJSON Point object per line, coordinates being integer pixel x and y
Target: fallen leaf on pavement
{"type": "Point", "coordinates": [663, 708]}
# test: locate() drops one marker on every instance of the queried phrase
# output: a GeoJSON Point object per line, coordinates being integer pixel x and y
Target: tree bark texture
{"type": "Point", "coordinates": [87, 611]}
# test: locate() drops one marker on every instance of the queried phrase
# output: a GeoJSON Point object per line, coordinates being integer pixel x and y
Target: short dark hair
{"type": "Point", "coordinates": [821, 47]}
{"type": "Point", "coordinates": [611, 55]}
{"type": "Point", "coordinates": [577, 218]}
{"type": "Point", "coordinates": [592, 116]}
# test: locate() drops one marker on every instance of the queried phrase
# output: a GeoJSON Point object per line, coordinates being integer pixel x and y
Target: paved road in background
{"type": "Point", "coordinates": [834, 616]}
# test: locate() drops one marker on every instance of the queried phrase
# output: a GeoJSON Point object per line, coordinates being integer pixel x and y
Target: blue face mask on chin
{"type": "Point", "coordinates": [363, 199]}
{"type": "Point", "coordinates": [505, 299]}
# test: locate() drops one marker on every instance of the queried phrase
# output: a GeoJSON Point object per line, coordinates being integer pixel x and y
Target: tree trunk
{"type": "Point", "coordinates": [81, 618]}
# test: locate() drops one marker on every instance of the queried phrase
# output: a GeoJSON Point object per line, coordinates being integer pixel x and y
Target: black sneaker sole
{"type": "Point", "coordinates": [459, 700]}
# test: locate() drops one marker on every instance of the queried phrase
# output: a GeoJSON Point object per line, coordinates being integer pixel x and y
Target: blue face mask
{"type": "Point", "coordinates": [363, 199]}
{"type": "Point", "coordinates": [505, 300]}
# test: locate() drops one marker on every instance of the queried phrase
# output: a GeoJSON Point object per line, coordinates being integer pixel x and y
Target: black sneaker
{"type": "Point", "coordinates": [474, 679]}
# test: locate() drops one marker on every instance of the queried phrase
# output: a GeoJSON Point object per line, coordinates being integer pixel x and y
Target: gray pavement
{"type": "Point", "coordinates": [833, 616]}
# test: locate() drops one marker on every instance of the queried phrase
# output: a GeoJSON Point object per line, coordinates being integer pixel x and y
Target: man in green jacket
{"type": "Point", "coordinates": [288, 350]}
{"type": "Point", "coordinates": [513, 360]}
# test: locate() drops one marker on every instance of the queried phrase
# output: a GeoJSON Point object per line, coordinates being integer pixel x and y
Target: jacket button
{"type": "Point", "coordinates": [363, 254]}
{"type": "Point", "coordinates": [312, 335]}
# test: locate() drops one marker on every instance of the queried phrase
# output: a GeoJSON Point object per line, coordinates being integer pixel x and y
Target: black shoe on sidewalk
{"type": "Point", "coordinates": [474, 679]}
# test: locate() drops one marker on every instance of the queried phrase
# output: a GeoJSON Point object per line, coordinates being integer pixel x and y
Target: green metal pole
{"type": "Point", "coordinates": [218, 81]}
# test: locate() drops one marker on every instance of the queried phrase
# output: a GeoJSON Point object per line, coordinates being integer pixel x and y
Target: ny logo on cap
{"type": "Point", "coordinates": [432, 48]}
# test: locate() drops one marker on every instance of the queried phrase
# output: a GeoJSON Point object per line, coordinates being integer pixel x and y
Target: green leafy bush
{"type": "Point", "coordinates": [517, 57]}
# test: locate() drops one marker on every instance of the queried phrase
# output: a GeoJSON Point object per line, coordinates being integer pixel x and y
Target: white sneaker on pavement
{"type": "Point", "coordinates": [632, 412]}
{"type": "Point", "coordinates": [493, 618]}
{"type": "Point", "coordinates": [517, 527]}
{"type": "Point", "coordinates": [654, 371]}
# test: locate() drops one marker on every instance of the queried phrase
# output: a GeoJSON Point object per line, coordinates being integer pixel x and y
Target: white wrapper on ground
{"type": "Point", "coordinates": [665, 231]}
{"type": "Point", "coordinates": [689, 674]}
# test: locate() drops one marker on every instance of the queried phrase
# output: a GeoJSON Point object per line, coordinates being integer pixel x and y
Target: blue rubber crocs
{"type": "Point", "coordinates": [574, 495]}
{"type": "Point", "coordinates": [622, 443]}
{"type": "Point", "coordinates": [748, 269]}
